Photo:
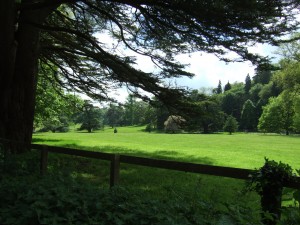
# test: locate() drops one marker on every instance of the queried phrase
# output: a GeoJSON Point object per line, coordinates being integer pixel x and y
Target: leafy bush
{"type": "Point", "coordinates": [230, 125]}
{"type": "Point", "coordinates": [18, 165]}
{"type": "Point", "coordinates": [149, 127]}
{"type": "Point", "coordinates": [268, 182]}
{"type": "Point", "coordinates": [63, 200]}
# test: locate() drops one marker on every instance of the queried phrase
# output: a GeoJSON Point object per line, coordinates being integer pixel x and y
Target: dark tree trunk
{"type": "Point", "coordinates": [19, 56]}
{"type": "Point", "coordinates": [271, 203]}
{"type": "Point", "coordinates": [8, 48]}
{"type": "Point", "coordinates": [24, 82]}
{"type": "Point", "coordinates": [205, 128]}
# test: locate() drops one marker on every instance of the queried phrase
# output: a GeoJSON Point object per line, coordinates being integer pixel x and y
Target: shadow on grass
{"type": "Point", "coordinates": [42, 140]}
{"type": "Point", "coordinates": [141, 177]}
{"type": "Point", "coordinates": [159, 154]}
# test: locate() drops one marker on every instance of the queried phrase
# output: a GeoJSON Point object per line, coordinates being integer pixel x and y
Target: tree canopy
{"type": "Point", "coordinates": [155, 29]}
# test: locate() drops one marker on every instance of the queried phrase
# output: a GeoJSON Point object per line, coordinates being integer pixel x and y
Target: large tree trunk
{"type": "Point", "coordinates": [8, 48]}
{"type": "Point", "coordinates": [24, 81]}
{"type": "Point", "coordinates": [19, 73]}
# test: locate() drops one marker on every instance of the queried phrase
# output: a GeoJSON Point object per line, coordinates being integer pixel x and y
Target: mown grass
{"type": "Point", "coordinates": [238, 150]}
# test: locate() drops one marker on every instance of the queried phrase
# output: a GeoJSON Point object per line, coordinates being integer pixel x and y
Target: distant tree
{"type": "Point", "coordinates": [271, 119]}
{"type": "Point", "coordinates": [55, 124]}
{"type": "Point", "coordinates": [135, 111]}
{"type": "Point", "coordinates": [218, 90]}
{"type": "Point", "coordinates": [231, 125]}
{"type": "Point", "coordinates": [174, 124]}
{"type": "Point", "coordinates": [248, 116]}
{"type": "Point", "coordinates": [114, 115]}
{"type": "Point", "coordinates": [263, 73]}
{"type": "Point", "coordinates": [278, 114]}
{"type": "Point", "coordinates": [197, 96]}
{"type": "Point", "coordinates": [287, 100]}
{"type": "Point", "coordinates": [227, 87]}
{"type": "Point", "coordinates": [150, 116]}
{"type": "Point", "coordinates": [268, 90]}
{"type": "Point", "coordinates": [229, 103]}
{"type": "Point", "coordinates": [232, 100]}
{"type": "Point", "coordinates": [211, 118]}
{"type": "Point", "coordinates": [254, 93]}
{"type": "Point", "coordinates": [296, 120]}
{"type": "Point", "coordinates": [129, 114]}
{"type": "Point", "coordinates": [248, 84]}
{"type": "Point", "coordinates": [90, 117]}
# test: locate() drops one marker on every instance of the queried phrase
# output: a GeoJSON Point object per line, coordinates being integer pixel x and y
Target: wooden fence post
{"type": "Point", "coordinates": [114, 170]}
{"type": "Point", "coordinates": [271, 204]}
{"type": "Point", "coordinates": [44, 160]}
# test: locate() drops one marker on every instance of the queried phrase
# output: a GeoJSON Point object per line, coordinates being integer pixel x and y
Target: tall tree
{"type": "Point", "coordinates": [218, 90]}
{"type": "Point", "coordinates": [263, 73]}
{"type": "Point", "coordinates": [114, 115]}
{"type": "Point", "coordinates": [296, 119]}
{"type": "Point", "coordinates": [248, 116]}
{"type": "Point", "coordinates": [135, 111]}
{"type": "Point", "coordinates": [64, 33]}
{"type": "Point", "coordinates": [247, 86]}
{"type": "Point", "coordinates": [227, 87]}
{"type": "Point", "coordinates": [232, 100]}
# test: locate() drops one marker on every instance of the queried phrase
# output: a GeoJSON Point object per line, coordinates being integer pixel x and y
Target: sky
{"type": "Point", "coordinates": [208, 69]}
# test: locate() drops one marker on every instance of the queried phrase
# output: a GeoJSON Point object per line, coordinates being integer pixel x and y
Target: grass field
{"type": "Point", "coordinates": [239, 150]}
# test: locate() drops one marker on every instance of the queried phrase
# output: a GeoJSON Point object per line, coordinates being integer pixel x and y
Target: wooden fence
{"type": "Point", "coordinates": [116, 159]}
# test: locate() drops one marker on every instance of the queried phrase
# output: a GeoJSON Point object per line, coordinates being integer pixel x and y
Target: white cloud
{"type": "Point", "coordinates": [208, 70]}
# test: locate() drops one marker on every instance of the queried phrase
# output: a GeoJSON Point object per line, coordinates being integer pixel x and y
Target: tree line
{"type": "Point", "coordinates": [267, 102]}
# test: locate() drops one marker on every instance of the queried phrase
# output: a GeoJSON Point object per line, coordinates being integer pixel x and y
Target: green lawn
{"type": "Point", "coordinates": [237, 150]}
